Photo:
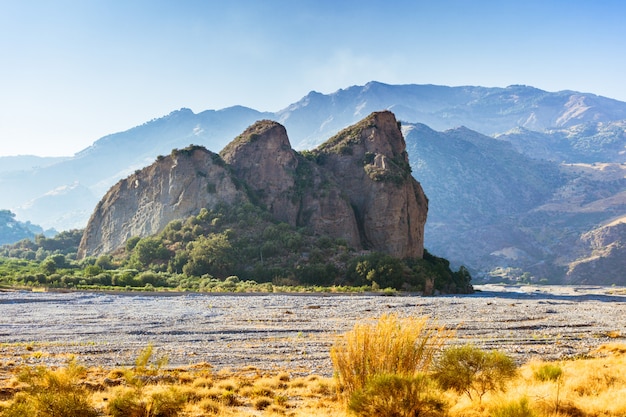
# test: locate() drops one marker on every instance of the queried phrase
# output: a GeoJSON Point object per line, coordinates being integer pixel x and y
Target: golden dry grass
{"type": "Point", "coordinates": [594, 386]}
{"type": "Point", "coordinates": [389, 345]}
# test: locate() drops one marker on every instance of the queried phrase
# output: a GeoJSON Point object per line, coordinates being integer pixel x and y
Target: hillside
{"type": "Point", "coordinates": [566, 128]}
{"type": "Point", "coordinates": [348, 212]}
{"type": "Point", "coordinates": [12, 230]}
{"type": "Point", "coordinates": [355, 187]}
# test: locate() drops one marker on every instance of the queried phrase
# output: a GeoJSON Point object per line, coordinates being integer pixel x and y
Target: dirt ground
{"type": "Point", "coordinates": [295, 332]}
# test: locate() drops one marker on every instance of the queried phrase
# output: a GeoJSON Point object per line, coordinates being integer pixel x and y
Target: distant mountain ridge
{"type": "Point", "coordinates": [470, 173]}
{"type": "Point", "coordinates": [486, 110]}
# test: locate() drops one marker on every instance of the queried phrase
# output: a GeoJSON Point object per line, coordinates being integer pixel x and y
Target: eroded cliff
{"type": "Point", "coordinates": [174, 187]}
{"type": "Point", "coordinates": [357, 186]}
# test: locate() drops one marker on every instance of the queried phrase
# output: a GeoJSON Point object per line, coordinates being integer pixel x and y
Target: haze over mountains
{"type": "Point", "coordinates": [519, 179]}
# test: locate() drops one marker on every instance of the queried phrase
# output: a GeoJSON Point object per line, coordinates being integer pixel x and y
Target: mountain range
{"type": "Point", "coordinates": [523, 183]}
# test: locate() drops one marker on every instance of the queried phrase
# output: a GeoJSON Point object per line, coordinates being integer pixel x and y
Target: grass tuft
{"type": "Point", "coordinates": [389, 346]}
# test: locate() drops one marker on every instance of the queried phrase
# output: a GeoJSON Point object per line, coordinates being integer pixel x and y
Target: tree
{"type": "Point", "coordinates": [148, 250]}
{"type": "Point", "coordinates": [48, 266]}
{"type": "Point", "coordinates": [212, 254]}
{"type": "Point", "coordinates": [467, 369]}
{"type": "Point", "coordinates": [378, 268]}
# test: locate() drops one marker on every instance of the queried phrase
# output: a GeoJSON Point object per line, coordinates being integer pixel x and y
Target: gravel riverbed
{"type": "Point", "coordinates": [293, 332]}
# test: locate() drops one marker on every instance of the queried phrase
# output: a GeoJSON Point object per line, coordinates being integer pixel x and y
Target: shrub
{"type": "Point", "coordinates": [391, 346]}
{"type": "Point", "coordinates": [210, 406]}
{"type": "Point", "coordinates": [397, 396]}
{"type": "Point", "coordinates": [548, 372]}
{"type": "Point", "coordinates": [127, 402]}
{"type": "Point", "coordinates": [52, 393]}
{"type": "Point", "coordinates": [519, 408]}
{"type": "Point", "coordinates": [262, 403]}
{"type": "Point", "coordinates": [467, 369]}
{"type": "Point", "coordinates": [166, 403]}
{"type": "Point", "coordinates": [377, 268]}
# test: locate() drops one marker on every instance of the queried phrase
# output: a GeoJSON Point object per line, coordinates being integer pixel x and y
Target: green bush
{"type": "Point", "coordinates": [548, 372]}
{"type": "Point", "coordinates": [379, 268]}
{"type": "Point", "coordinates": [519, 408]}
{"type": "Point", "coordinates": [467, 369]}
{"type": "Point", "coordinates": [397, 396]}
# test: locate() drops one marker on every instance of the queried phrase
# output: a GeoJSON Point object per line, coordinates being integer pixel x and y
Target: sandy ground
{"type": "Point", "coordinates": [294, 332]}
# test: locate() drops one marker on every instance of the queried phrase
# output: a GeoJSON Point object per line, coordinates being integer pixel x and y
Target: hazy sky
{"type": "Point", "coordinates": [74, 71]}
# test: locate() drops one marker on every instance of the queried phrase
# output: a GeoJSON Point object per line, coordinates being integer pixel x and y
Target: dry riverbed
{"type": "Point", "coordinates": [293, 332]}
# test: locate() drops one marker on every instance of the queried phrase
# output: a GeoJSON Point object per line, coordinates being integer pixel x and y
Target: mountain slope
{"type": "Point", "coordinates": [491, 207]}
{"type": "Point", "coordinates": [113, 157]}
{"type": "Point", "coordinates": [587, 142]}
{"type": "Point", "coordinates": [478, 188]}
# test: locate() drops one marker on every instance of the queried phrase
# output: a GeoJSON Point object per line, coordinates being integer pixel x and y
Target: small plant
{"type": "Point", "coordinates": [52, 393]}
{"type": "Point", "coordinates": [125, 402]}
{"type": "Point", "coordinates": [128, 402]}
{"type": "Point", "coordinates": [230, 399]}
{"type": "Point", "coordinates": [518, 408]}
{"type": "Point", "coordinates": [548, 372]}
{"type": "Point", "coordinates": [391, 346]}
{"type": "Point", "coordinates": [472, 371]}
{"type": "Point", "coordinates": [554, 373]}
{"type": "Point", "coordinates": [262, 403]}
{"type": "Point", "coordinates": [397, 396]}
{"type": "Point", "coordinates": [210, 406]}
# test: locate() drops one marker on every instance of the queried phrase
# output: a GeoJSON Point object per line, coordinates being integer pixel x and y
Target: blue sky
{"type": "Point", "coordinates": [74, 71]}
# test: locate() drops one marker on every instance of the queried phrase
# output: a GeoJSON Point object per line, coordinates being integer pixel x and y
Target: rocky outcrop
{"type": "Point", "coordinates": [262, 157]}
{"type": "Point", "coordinates": [294, 189]}
{"type": "Point", "coordinates": [357, 187]}
{"type": "Point", "coordinates": [174, 187]}
{"type": "Point", "coordinates": [371, 166]}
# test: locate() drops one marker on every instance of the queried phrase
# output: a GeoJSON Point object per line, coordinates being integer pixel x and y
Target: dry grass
{"type": "Point", "coordinates": [590, 387]}
{"type": "Point", "coordinates": [391, 345]}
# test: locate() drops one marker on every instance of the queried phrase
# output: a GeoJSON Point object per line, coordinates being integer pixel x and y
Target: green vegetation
{"type": "Point", "coordinates": [12, 230]}
{"type": "Point", "coordinates": [226, 249]}
{"type": "Point", "coordinates": [398, 396]}
{"type": "Point", "coordinates": [548, 372]}
{"type": "Point", "coordinates": [396, 367]}
{"type": "Point", "coordinates": [472, 371]}
{"type": "Point", "coordinates": [65, 243]}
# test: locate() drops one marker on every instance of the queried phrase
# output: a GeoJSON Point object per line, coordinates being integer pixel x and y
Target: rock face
{"type": "Point", "coordinates": [294, 189]}
{"type": "Point", "coordinates": [357, 186]}
{"type": "Point", "coordinates": [262, 157]}
{"type": "Point", "coordinates": [174, 187]}
{"type": "Point", "coordinates": [371, 166]}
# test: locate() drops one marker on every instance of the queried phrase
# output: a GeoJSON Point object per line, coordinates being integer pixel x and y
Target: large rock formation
{"type": "Point", "coordinates": [357, 186]}
{"type": "Point", "coordinates": [262, 157]}
{"type": "Point", "coordinates": [371, 166]}
{"type": "Point", "coordinates": [174, 187]}
{"type": "Point", "coordinates": [295, 190]}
